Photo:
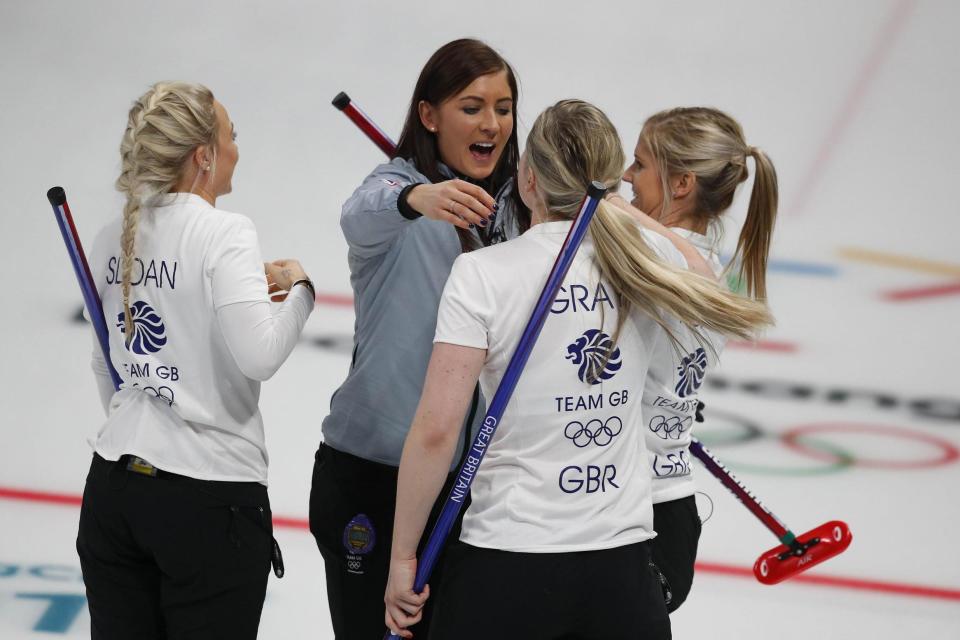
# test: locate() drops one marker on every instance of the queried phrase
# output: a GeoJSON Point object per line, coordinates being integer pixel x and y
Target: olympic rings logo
{"type": "Point", "coordinates": [164, 393]}
{"type": "Point", "coordinates": [811, 441]}
{"type": "Point", "coordinates": [670, 428]}
{"type": "Point", "coordinates": [353, 565]}
{"type": "Point", "coordinates": [599, 432]}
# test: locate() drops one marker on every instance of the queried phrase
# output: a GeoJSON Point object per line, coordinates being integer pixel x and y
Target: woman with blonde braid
{"type": "Point", "coordinates": [175, 536]}
{"type": "Point", "coordinates": [688, 163]}
{"type": "Point", "coordinates": [555, 542]}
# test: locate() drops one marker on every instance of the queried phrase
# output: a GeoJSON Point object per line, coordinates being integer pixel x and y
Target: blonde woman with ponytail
{"type": "Point", "coordinates": [555, 541]}
{"type": "Point", "coordinates": [175, 536]}
{"type": "Point", "coordinates": [688, 164]}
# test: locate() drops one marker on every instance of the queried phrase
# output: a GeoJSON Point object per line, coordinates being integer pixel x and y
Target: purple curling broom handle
{"type": "Point", "coordinates": [61, 211]}
{"type": "Point", "coordinates": [508, 383]}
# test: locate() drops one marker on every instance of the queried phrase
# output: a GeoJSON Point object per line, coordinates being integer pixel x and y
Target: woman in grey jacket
{"type": "Point", "coordinates": [449, 190]}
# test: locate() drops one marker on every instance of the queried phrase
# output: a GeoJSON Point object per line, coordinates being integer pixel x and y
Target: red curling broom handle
{"type": "Point", "coordinates": [363, 121]}
{"type": "Point", "coordinates": [756, 507]}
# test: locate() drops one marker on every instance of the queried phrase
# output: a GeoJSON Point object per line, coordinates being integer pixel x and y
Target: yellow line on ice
{"type": "Point", "coordinates": [899, 261]}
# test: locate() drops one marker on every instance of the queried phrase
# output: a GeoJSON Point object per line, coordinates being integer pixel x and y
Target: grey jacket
{"type": "Point", "coordinates": [398, 268]}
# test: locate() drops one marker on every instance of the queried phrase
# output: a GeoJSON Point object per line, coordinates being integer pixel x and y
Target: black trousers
{"type": "Point", "coordinates": [352, 505]}
{"type": "Point", "coordinates": [610, 594]}
{"type": "Point", "coordinates": [674, 550]}
{"type": "Point", "coordinates": [172, 557]}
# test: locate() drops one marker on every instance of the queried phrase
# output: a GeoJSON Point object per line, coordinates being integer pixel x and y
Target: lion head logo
{"type": "Point", "coordinates": [692, 369]}
{"type": "Point", "coordinates": [148, 330]}
{"type": "Point", "coordinates": [595, 354]}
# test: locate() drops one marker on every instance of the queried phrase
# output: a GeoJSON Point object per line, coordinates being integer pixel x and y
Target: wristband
{"type": "Point", "coordinates": [404, 207]}
{"type": "Point", "coordinates": [307, 283]}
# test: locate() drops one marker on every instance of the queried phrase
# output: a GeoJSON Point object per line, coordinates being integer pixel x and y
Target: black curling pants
{"type": "Point", "coordinates": [352, 505]}
{"type": "Point", "coordinates": [608, 594]}
{"type": "Point", "coordinates": [674, 550]}
{"type": "Point", "coordinates": [171, 557]}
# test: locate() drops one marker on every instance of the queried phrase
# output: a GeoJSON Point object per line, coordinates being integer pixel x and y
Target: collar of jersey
{"type": "Point", "coordinates": [707, 243]}
{"type": "Point", "coordinates": [553, 226]}
{"type": "Point", "coordinates": [179, 198]}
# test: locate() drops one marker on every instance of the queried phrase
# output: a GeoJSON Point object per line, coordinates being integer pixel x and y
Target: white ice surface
{"type": "Point", "coordinates": [883, 180]}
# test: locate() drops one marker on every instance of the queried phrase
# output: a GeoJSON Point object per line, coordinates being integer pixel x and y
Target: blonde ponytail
{"type": "Point", "coordinates": [164, 126]}
{"type": "Point", "coordinates": [753, 245]}
{"type": "Point", "coordinates": [645, 282]}
{"type": "Point", "coordinates": [710, 144]}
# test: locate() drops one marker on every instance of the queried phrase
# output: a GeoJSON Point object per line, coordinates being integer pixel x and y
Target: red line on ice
{"type": "Point", "coordinates": [335, 299]}
{"type": "Point", "coordinates": [841, 582]}
{"type": "Point", "coordinates": [40, 496]}
{"type": "Point", "coordinates": [851, 105]}
{"type": "Point", "coordinates": [903, 295]}
{"type": "Point", "coordinates": [860, 584]}
{"type": "Point", "coordinates": [291, 523]}
{"type": "Point", "coordinates": [763, 345]}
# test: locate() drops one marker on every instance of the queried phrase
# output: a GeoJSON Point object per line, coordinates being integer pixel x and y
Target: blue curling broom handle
{"type": "Point", "coordinates": [508, 383]}
{"type": "Point", "coordinates": [61, 211]}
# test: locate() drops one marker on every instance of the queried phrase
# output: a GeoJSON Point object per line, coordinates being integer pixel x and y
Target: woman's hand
{"type": "Point", "coordinates": [455, 201]}
{"type": "Point", "coordinates": [404, 608]}
{"type": "Point", "coordinates": [281, 274]}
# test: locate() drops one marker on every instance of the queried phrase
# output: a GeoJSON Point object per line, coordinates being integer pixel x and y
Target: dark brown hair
{"type": "Point", "coordinates": [449, 71]}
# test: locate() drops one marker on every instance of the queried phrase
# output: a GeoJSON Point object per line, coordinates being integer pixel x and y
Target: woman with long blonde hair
{"type": "Point", "coordinates": [175, 536]}
{"type": "Point", "coordinates": [556, 539]}
{"type": "Point", "coordinates": [688, 164]}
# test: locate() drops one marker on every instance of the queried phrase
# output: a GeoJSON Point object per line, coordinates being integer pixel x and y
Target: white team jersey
{"type": "Point", "coordinates": [565, 470]}
{"type": "Point", "coordinates": [184, 406]}
{"type": "Point", "coordinates": [671, 394]}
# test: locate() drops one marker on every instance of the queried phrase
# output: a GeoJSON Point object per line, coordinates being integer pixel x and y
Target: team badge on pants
{"type": "Point", "coordinates": [359, 539]}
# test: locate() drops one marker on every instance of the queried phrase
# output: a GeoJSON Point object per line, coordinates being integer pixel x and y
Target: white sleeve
{"type": "Point", "coordinates": [101, 374]}
{"type": "Point", "coordinates": [235, 266]}
{"type": "Point", "coordinates": [466, 307]}
{"type": "Point", "coordinates": [259, 339]}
